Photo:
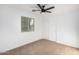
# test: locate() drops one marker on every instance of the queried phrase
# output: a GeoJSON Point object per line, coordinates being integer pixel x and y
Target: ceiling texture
{"type": "Point", "coordinates": [59, 8]}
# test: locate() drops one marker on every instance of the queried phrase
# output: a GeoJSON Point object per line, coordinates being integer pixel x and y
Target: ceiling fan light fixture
{"type": "Point", "coordinates": [42, 8]}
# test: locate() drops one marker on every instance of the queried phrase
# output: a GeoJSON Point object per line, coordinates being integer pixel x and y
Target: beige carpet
{"type": "Point", "coordinates": [43, 47]}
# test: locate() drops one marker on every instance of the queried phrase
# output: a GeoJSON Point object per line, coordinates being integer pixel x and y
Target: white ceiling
{"type": "Point", "coordinates": [58, 7]}
{"type": "Point", "coordinates": [23, 6]}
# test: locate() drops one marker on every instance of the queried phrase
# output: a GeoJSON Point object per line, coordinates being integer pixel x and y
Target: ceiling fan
{"type": "Point", "coordinates": [43, 9]}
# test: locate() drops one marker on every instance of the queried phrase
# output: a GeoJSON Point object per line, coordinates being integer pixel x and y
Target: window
{"type": "Point", "coordinates": [27, 24]}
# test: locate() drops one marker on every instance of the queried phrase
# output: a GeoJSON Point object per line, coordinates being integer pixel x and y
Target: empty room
{"type": "Point", "coordinates": [39, 29]}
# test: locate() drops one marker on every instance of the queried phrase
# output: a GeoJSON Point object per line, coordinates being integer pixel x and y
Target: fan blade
{"type": "Point", "coordinates": [50, 8]}
{"type": "Point", "coordinates": [49, 11]}
{"type": "Point", "coordinates": [35, 10]}
{"type": "Point", "coordinates": [39, 6]}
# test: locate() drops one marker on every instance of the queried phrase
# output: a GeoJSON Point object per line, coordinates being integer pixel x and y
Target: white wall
{"type": "Point", "coordinates": [60, 26]}
{"type": "Point", "coordinates": [63, 25]}
{"type": "Point", "coordinates": [10, 28]}
{"type": "Point", "coordinates": [44, 27]}
{"type": "Point", "coordinates": [67, 29]}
